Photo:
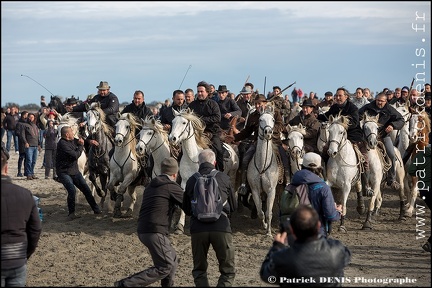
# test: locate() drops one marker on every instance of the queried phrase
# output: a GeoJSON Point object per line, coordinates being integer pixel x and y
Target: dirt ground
{"type": "Point", "coordinates": [97, 250]}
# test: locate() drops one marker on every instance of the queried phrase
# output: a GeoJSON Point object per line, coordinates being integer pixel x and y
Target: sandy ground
{"type": "Point", "coordinates": [97, 250]}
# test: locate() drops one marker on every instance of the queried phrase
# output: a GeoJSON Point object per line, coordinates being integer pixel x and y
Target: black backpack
{"type": "Point", "coordinates": [207, 202]}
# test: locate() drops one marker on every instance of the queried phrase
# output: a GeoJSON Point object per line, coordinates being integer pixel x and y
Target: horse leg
{"type": "Point", "coordinates": [269, 212]}
{"type": "Point", "coordinates": [345, 191]}
{"type": "Point", "coordinates": [132, 194]}
{"type": "Point", "coordinates": [258, 205]}
{"type": "Point", "coordinates": [361, 207]}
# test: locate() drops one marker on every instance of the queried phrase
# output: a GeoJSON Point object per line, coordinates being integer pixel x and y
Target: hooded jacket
{"type": "Point", "coordinates": [158, 205]}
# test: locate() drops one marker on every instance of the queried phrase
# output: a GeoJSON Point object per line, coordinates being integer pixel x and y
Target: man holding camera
{"type": "Point", "coordinates": [311, 257]}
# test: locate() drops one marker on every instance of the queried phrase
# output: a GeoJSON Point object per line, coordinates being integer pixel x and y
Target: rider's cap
{"type": "Point", "coordinates": [312, 160]}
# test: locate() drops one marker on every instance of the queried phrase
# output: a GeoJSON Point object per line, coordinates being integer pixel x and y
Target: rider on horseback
{"type": "Point", "coordinates": [390, 119]}
{"type": "Point", "coordinates": [343, 106]}
{"type": "Point", "coordinates": [252, 126]}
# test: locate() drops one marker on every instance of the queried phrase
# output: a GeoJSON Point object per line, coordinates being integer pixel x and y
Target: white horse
{"type": "Point", "coordinates": [401, 137]}
{"type": "Point", "coordinates": [187, 129]}
{"type": "Point", "coordinates": [124, 166]}
{"type": "Point", "coordinates": [153, 139]}
{"type": "Point", "coordinates": [322, 136]}
{"type": "Point", "coordinates": [296, 146]}
{"type": "Point", "coordinates": [342, 167]}
{"type": "Point", "coordinates": [263, 171]}
{"type": "Point", "coordinates": [378, 167]}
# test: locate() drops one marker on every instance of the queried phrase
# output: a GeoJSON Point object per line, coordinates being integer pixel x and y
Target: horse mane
{"type": "Point", "coordinates": [370, 118]}
{"type": "Point", "coordinates": [134, 124]}
{"type": "Point", "coordinates": [202, 140]}
{"type": "Point", "coordinates": [108, 130]}
{"type": "Point", "coordinates": [297, 128]}
{"type": "Point", "coordinates": [340, 119]}
{"type": "Point", "coordinates": [156, 125]}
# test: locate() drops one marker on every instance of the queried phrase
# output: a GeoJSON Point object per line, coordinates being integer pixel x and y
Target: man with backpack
{"type": "Point", "coordinates": [320, 195]}
{"type": "Point", "coordinates": [215, 231]}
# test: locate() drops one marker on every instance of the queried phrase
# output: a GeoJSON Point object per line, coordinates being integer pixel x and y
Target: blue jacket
{"type": "Point", "coordinates": [320, 196]}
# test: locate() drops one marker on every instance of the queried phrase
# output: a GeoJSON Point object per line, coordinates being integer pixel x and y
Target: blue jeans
{"type": "Point", "coordinates": [11, 134]}
{"type": "Point", "coordinates": [14, 277]}
{"type": "Point", "coordinates": [31, 157]}
{"type": "Point", "coordinates": [69, 182]}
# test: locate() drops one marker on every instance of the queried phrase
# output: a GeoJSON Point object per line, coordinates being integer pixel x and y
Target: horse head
{"type": "Point", "coordinates": [266, 123]}
{"type": "Point", "coordinates": [296, 140]}
{"type": "Point", "coordinates": [337, 134]}
{"type": "Point", "coordinates": [122, 130]}
{"type": "Point", "coordinates": [151, 130]}
{"type": "Point", "coordinates": [370, 126]}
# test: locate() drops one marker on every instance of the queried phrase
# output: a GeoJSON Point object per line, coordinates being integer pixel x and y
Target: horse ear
{"type": "Point", "coordinates": [118, 115]}
{"type": "Point", "coordinates": [175, 112]}
{"type": "Point", "coordinates": [87, 106]}
{"type": "Point", "coordinates": [289, 127]}
{"type": "Point", "coordinates": [300, 126]}
{"type": "Point", "coordinates": [153, 121]}
{"type": "Point", "coordinates": [331, 118]}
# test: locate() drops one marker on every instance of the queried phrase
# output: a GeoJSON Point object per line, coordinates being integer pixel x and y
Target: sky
{"type": "Point", "coordinates": [66, 48]}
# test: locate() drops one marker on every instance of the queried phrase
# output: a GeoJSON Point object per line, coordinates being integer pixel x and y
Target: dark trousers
{"type": "Point", "coordinates": [50, 160]}
{"type": "Point", "coordinates": [21, 159]}
{"type": "Point", "coordinates": [69, 182]}
{"type": "Point", "coordinates": [224, 249]}
{"type": "Point", "coordinates": [218, 150]}
{"type": "Point", "coordinates": [165, 262]}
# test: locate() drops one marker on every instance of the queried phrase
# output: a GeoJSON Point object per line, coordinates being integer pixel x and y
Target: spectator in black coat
{"type": "Point", "coordinates": [20, 228]}
{"type": "Point", "coordinates": [217, 234]}
{"type": "Point", "coordinates": [309, 258]}
{"type": "Point", "coordinates": [157, 208]}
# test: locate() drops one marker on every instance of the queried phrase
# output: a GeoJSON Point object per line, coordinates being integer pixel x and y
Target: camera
{"type": "Point", "coordinates": [284, 223]}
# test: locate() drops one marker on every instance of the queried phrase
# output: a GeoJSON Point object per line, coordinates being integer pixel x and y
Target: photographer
{"type": "Point", "coordinates": [310, 257]}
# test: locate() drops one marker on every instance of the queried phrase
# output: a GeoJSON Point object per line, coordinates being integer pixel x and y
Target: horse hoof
{"type": "Point", "coordinates": [361, 209]}
{"type": "Point", "coordinates": [367, 225]}
{"type": "Point", "coordinates": [128, 214]}
{"type": "Point", "coordinates": [375, 213]}
{"type": "Point", "coordinates": [117, 213]}
{"type": "Point", "coordinates": [407, 214]}
{"type": "Point", "coordinates": [113, 196]}
{"type": "Point", "coordinates": [342, 229]}
{"type": "Point", "coordinates": [402, 218]}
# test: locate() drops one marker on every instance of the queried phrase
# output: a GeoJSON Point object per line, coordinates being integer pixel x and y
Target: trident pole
{"type": "Point", "coordinates": [38, 83]}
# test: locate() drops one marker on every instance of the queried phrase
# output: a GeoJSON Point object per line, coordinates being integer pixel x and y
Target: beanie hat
{"type": "Point", "coordinates": [169, 166]}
